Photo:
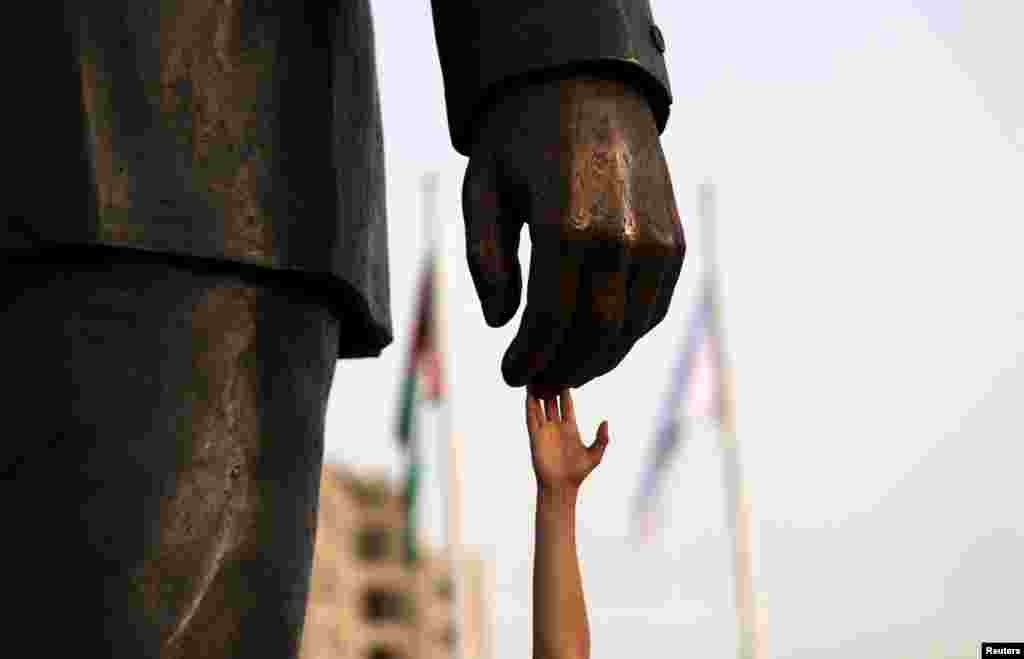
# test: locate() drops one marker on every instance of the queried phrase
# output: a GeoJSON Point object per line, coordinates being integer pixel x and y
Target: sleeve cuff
{"type": "Point", "coordinates": [487, 47]}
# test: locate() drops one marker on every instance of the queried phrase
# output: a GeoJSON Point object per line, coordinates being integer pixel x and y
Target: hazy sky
{"type": "Point", "coordinates": [869, 159]}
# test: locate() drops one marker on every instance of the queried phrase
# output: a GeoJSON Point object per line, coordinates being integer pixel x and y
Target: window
{"type": "Point", "coordinates": [448, 636]}
{"type": "Point", "coordinates": [383, 605]}
{"type": "Point", "coordinates": [374, 544]}
{"type": "Point", "coordinates": [443, 587]}
{"type": "Point", "coordinates": [371, 492]}
{"type": "Point", "coordinates": [381, 651]}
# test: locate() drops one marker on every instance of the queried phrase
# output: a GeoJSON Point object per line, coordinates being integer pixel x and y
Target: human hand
{"type": "Point", "coordinates": [560, 460]}
{"type": "Point", "coordinates": [581, 163]}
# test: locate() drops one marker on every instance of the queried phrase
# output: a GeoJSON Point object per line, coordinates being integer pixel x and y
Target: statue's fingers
{"type": "Point", "coordinates": [598, 322]}
{"type": "Point", "coordinates": [550, 304]}
{"type": "Point", "coordinates": [671, 253]}
{"type": "Point", "coordinates": [543, 391]}
{"type": "Point", "coordinates": [642, 300]}
{"type": "Point", "coordinates": [492, 242]}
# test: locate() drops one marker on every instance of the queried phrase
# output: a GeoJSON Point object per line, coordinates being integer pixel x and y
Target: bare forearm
{"type": "Point", "coordinates": [560, 629]}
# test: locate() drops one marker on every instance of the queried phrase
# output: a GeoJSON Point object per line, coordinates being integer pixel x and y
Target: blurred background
{"type": "Point", "coordinates": [869, 165]}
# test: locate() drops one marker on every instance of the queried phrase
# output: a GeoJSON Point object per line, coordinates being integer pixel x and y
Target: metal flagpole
{"type": "Point", "coordinates": [448, 449]}
{"type": "Point", "coordinates": [737, 503]}
{"type": "Point", "coordinates": [706, 209]}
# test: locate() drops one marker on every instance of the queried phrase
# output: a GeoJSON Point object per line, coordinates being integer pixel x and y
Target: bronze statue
{"type": "Point", "coordinates": [212, 238]}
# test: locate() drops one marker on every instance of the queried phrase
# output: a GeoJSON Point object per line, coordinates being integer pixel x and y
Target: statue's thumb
{"type": "Point", "coordinates": [492, 244]}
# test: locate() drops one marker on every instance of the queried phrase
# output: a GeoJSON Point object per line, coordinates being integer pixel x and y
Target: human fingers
{"type": "Point", "coordinates": [596, 450]}
{"type": "Point", "coordinates": [534, 414]}
{"type": "Point", "coordinates": [568, 409]}
{"type": "Point", "coordinates": [551, 409]}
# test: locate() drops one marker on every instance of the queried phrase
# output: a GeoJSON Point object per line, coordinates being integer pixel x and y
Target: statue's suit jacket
{"type": "Point", "coordinates": [249, 132]}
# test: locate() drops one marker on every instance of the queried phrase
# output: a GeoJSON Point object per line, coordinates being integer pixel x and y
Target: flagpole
{"type": "Point", "coordinates": [448, 447]}
{"type": "Point", "coordinates": [429, 185]}
{"type": "Point", "coordinates": [737, 503]}
{"type": "Point", "coordinates": [707, 211]}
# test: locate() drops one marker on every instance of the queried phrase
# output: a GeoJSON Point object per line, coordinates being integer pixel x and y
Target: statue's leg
{"type": "Point", "coordinates": [163, 442]}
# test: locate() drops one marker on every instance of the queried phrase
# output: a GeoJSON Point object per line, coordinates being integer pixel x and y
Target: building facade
{"type": "Point", "coordinates": [365, 602]}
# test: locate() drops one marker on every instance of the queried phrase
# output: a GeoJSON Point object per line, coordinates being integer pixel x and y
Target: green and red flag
{"type": "Point", "coordinates": [423, 380]}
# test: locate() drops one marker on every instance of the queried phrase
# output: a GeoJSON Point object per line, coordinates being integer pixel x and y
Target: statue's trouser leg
{"type": "Point", "coordinates": [161, 456]}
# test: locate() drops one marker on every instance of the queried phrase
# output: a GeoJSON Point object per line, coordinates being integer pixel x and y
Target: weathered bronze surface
{"type": "Point", "coordinates": [169, 341]}
{"type": "Point", "coordinates": [579, 161]}
{"type": "Point", "coordinates": [486, 46]}
{"type": "Point", "coordinates": [167, 462]}
{"type": "Point", "coordinates": [250, 132]}
{"type": "Point", "coordinates": [236, 131]}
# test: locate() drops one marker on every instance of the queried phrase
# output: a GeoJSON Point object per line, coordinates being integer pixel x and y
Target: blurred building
{"type": "Point", "coordinates": [365, 602]}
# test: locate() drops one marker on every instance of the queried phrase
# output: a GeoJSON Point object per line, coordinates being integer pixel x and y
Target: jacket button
{"type": "Point", "coordinates": [657, 38]}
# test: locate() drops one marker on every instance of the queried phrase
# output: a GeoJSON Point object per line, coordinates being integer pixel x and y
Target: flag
{"type": "Point", "coordinates": [695, 390]}
{"type": "Point", "coordinates": [423, 380]}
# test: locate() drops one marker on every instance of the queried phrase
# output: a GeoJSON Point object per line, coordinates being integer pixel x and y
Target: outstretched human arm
{"type": "Point", "coordinates": [561, 462]}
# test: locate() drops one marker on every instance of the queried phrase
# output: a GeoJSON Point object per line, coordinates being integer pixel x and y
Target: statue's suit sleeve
{"type": "Point", "coordinates": [486, 46]}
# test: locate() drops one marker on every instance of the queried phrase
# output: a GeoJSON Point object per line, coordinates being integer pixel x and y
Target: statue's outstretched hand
{"type": "Point", "coordinates": [580, 162]}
